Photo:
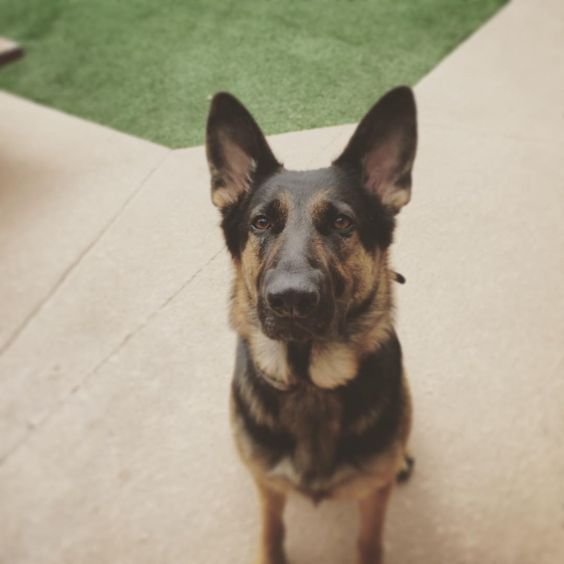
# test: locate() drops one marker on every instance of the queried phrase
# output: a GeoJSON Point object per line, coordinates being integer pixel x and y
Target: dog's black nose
{"type": "Point", "coordinates": [293, 300]}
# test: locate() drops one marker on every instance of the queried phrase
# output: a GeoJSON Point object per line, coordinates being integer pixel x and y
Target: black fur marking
{"type": "Point", "coordinates": [405, 180]}
{"type": "Point", "coordinates": [298, 359]}
{"type": "Point", "coordinates": [381, 226]}
{"type": "Point", "coordinates": [233, 232]}
{"type": "Point", "coordinates": [274, 444]}
{"type": "Point", "coordinates": [266, 395]}
{"type": "Point", "coordinates": [376, 387]}
{"type": "Point", "coordinates": [405, 473]}
{"type": "Point", "coordinates": [376, 223]}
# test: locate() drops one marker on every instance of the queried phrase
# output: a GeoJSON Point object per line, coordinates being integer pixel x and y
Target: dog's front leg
{"type": "Point", "coordinates": [271, 543]}
{"type": "Point", "coordinates": [372, 514]}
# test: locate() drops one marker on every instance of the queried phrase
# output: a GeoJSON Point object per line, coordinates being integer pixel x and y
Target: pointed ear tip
{"type": "Point", "coordinates": [402, 94]}
{"type": "Point", "coordinates": [222, 94]}
{"type": "Point", "coordinates": [404, 88]}
{"type": "Point", "coordinates": [221, 100]}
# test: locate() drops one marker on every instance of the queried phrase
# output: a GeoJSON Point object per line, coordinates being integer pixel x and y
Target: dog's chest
{"type": "Point", "coordinates": [315, 439]}
{"type": "Point", "coordinates": [313, 417]}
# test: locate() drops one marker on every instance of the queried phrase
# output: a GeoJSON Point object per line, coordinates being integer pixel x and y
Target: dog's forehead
{"type": "Point", "coordinates": [302, 188]}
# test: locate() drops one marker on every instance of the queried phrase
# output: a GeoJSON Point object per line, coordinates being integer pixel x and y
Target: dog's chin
{"type": "Point", "coordinates": [290, 330]}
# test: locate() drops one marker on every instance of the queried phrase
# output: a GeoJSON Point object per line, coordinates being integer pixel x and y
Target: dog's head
{"type": "Point", "coordinates": [309, 246]}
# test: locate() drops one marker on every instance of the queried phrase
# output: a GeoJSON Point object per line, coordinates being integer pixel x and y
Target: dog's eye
{"type": "Point", "coordinates": [342, 223]}
{"type": "Point", "coordinates": [261, 223]}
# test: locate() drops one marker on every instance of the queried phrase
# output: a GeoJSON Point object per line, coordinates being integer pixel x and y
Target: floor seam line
{"type": "Point", "coordinates": [31, 429]}
{"type": "Point", "coordinates": [63, 277]}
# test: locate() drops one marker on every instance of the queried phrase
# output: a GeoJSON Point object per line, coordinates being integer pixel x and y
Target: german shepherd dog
{"type": "Point", "coordinates": [320, 403]}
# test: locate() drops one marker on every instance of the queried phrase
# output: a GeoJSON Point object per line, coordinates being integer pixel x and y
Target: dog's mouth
{"type": "Point", "coordinates": [289, 330]}
{"type": "Point", "coordinates": [295, 329]}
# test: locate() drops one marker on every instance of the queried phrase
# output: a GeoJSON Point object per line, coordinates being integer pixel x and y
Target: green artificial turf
{"type": "Point", "coordinates": [148, 67]}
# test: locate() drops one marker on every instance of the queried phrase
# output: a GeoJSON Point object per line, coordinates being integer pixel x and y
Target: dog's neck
{"type": "Point", "coordinates": [327, 364]}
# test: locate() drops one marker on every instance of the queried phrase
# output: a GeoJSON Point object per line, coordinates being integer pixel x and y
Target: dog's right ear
{"type": "Point", "coordinates": [237, 151]}
{"type": "Point", "coordinates": [383, 148]}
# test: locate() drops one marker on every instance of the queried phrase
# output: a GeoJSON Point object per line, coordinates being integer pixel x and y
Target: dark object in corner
{"type": "Point", "coordinates": [9, 51]}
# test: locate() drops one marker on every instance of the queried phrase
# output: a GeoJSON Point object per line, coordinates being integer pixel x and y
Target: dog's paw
{"type": "Point", "coordinates": [407, 469]}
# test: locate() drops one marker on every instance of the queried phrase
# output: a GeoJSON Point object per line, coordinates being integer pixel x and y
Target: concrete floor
{"type": "Point", "coordinates": [116, 357]}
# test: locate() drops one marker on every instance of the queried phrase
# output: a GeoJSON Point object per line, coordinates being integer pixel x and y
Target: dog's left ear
{"type": "Point", "coordinates": [383, 148]}
{"type": "Point", "coordinates": [237, 151]}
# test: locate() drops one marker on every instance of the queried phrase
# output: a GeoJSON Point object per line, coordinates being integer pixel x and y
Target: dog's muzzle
{"type": "Point", "coordinates": [294, 305]}
{"type": "Point", "coordinates": [293, 296]}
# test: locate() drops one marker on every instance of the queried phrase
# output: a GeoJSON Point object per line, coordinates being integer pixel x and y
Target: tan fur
{"type": "Point", "coordinates": [251, 268]}
{"type": "Point", "coordinates": [241, 315]}
{"type": "Point", "coordinates": [318, 203]}
{"type": "Point", "coordinates": [361, 267]}
{"type": "Point", "coordinates": [405, 428]}
{"type": "Point", "coordinates": [271, 546]}
{"type": "Point", "coordinates": [271, 358]}
{"type": "Point", "coordinates": [333, 364]}
{"type": "Point", "coordinates": [372, 513]}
